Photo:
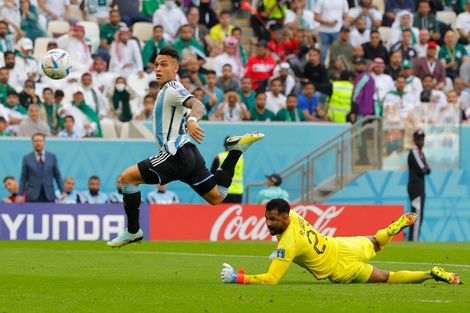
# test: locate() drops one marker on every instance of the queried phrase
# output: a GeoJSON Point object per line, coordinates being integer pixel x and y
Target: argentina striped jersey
{"type": "Point", "coordinates": [169, 123]}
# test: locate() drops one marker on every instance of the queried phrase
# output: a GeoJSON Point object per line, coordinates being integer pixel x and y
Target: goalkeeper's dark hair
{"type": "Point", "coordinates": [172, 52]}
{"type": "Point", "coordinates": [281, 205]}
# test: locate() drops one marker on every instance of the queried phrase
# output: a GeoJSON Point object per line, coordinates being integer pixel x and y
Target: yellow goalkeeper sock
{"type": "Point", "coordinates": [383, 238]}
{"type": "Point", "coordinates": [408, 277]}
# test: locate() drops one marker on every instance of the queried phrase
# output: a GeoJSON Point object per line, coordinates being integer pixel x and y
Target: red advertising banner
{"type": "Point", "coordinates": [247, 222]}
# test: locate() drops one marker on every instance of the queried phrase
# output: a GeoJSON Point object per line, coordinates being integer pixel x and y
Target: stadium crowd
{"type": "Point", "coordinates": [317, 61]}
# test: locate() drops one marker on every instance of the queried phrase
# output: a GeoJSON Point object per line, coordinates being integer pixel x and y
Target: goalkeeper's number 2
{"type": "Point", "coordinates": [310, 234]}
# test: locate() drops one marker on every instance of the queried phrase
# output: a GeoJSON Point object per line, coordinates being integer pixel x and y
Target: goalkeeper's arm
{"type": "Point", "coordinates": [277, 269]}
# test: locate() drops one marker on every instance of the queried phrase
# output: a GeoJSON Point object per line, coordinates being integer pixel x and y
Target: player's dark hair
{"type": "Point", "coordinates": [8, 177]}
{"type": "Point", "coordinates": [171, 52]}
{"type": "Point", "coordinates": [281, 205]}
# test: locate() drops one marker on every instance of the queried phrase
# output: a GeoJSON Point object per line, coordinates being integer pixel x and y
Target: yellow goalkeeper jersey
{"type": "Point", "coordinates": [304, 245]}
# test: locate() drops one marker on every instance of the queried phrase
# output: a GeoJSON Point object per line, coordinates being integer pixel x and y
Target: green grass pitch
{"type": "Point", "coordinates": [184, 277]}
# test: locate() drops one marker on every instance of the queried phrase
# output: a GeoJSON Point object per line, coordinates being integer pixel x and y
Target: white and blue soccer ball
{"type": "Point", "coordinates": [56, 64]}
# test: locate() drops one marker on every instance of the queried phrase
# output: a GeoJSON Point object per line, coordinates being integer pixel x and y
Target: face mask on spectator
{"type": "Point", "coordinates": [169, 4]}
{"type": "Point", "coordinates": [120, 87]}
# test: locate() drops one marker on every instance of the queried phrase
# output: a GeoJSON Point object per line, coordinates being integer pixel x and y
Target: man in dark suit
{"type": "Point", "coordinates": [39, 170]}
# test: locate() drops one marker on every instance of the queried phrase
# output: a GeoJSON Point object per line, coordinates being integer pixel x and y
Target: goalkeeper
{"type": "Point", "coordinates": [339, 259]}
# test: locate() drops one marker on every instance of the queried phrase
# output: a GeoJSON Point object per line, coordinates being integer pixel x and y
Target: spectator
{"type": "Point", "coordinates": [87, 122]}
{"type": "Point", "coordinates": [287, 79]}
{"type": "Point", "coordinates": [33, 124]}
{"type": "Point", "coordinates": [404, 46]}
{"type": "Point", "coordinates": [452, 55]}
{"type": "Point", "coordinates": [436, 96]}
{"type": "Point", "coordinates": [260, 112]}
{"type": "Point", "coordinates": [24, 61]}
{"type": "Point", "coordinates": [15, 111]}
{"type": "Point", "coordinates": [333, 17]}
{"type": "Point", "coordinates": [4, 86]}
{"type": "Point", "coordinates": [29, 21]}
{"type": "Point", "coordinates": [418, 168]}
{"type": "Point", "coordinates": [152, 47]}
{"type": "Point", "coordinates": [227, 81]}
{"type": "Point", "coordinates": [465, 75]}
{"type": "Point", "coordinates": [11, 185]}
{"type": "Point", "coordinates": [72, 196]}
{"type": "Point", "coordinates": [315, 72]}
{"type": "Point", "coordinates": [211, 87]}
{"type": "Point", "coordinates": [171, 17]}
{"type": "Point", "coordinates": [237, 33]}
{"type": "Point", "coordinates": [92, 96]}
{"type": "Point", "coordinates": [57, 10]}
{"type": "Point", "coordinates": [120, 109]}
{"type": "Point", "coordinates": [129, 10]}
{"type": "Point", "coordinates": [360, 34]}
{"type": "Point", "coordinates": [462, 94]}
{"type": "Point", "coordinates": [421, 46]}
{"type": "Point", "coordinates": [462, 24]}
{"type": "Point", "coordinates": [268, 12]}
{"type": "Point", "coordinates": [126, 58]}
{"type": "Point", "coordinates": [200, 31]}
{"type": "Point", "coordinates": [199, 94]}
{"type": "Point", "coordinates": [93, 195]}
{"type": "Point", "coordinates": [28, 95]}
{"type": "Point", "coordinates": [74, 43]}
{"type": "Point", "coordinates": [153, 89]}
{"type": "Point", "coordinates": [358, 52]}
{"type": "Point", "coordinates": [11, 9]}
{"type": "Point", "coordinates": [430, 65]}
{"type": "Point", "coordinates": [207, 15]}
{"type": "Point", "coordinates": [383, 82]}
{"type": "Point", "coordinates": [403, 22]}
{"type": "Point", "coordinates": [232, 109]}
{"type": "Point", "coordinates": [393, 9]}
{"type": "Point", "coordinates": [221, 31]}
{"type": "Point", "coordinates": [274, 191]}
{"type": "Point", "coordinates": [230, 55]}
{"type": "Point", "coordinates": [425, 19]}
{"type": "Point", "coordinates": [147, 112]}
{"type": "Point", "coordinates": [247, 95]}
{"type": "Point", "coordinates": [68, 131]}
{"type": "Point", "coordinates": [308, 102]}
{"type": "Point", "coordinates": [49, 111]}
{"type": "Point", "coordinates": [3, 127]}
{"type": "Point", "coordinates": [365, 12]}
{"type": "Point", "coordinates": [340, 53]}
{"type": "Point", "coordinates": [8, 41]}
{"type": "Point", "coordinates": [394, 68]}
{"type": "Point", "coordinates": [100, 77]}
{"type": "Point", "coordinates": [260, 67]}
{"type": "Point", "coordinates": [96, 11]}
{"type": "Point", "coordinates": [117, 196]}
{"type": "Point", "coordinates": [197, 78]}
{"type": "Point", "coordinates": [14, 78]}
{"type": "Point", "coordinates": [299, 17]}
{"type": "Point", "coordinates": [275, 100]}
{"type": "Point", "coordinates": [235, 191]}
{"type": "Point", "coordinates": [413, 83]}
{"type": "Point", "coordinates": [188, 47]}
{"type": "Point", "coordinates": [162, 196]}
{"type": "Point", "coordinates": [402, 101]}
{"type": "Point", "coordinates": [374, 48]}
{"type": "Point", "coordinates": [107, 32]}
{"type": "Point", "coordinates": [283, 44]}
{"type": "Point", "coordinates": [290, 113]}
{"type": "Point", "coordinates": [38, 171]}
{"type": "Point", "coordinates": [185, 80]}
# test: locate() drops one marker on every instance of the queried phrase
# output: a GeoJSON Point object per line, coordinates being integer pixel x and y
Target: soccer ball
{"type": "Point", "coordinates": [56, 64]}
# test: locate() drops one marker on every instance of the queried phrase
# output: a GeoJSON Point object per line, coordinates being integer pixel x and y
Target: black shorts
{"type": "Point", "coordinates": [187, 165]}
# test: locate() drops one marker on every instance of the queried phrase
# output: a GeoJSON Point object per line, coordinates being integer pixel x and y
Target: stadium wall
{"type": "Point", "coordinates": [284, 143]}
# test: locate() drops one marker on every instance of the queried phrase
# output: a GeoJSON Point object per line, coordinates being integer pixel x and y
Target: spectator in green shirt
{"type": "Point", "coordinates": [152, 48]}
{"type": "Point", "coordinates": [107, 32]}
{"type": "Point", "coordinates": [259, 112]}
{"type": "Point", "coordinates": [291, 113]}
{"type": "Point", "coordinates": [274, 191]}
{"type": "Point", "coordinates": [247, 95]}
{"type": "Point", "coordinates": [452, 55]}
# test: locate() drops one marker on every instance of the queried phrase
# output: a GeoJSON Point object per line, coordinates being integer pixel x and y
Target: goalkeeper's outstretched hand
{"type": "Point", "coordinates": [228, 274]}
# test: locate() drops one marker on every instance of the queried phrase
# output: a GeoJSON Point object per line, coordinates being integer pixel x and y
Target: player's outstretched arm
{"type": "Point", "coordinates": [197, 112]}
{"type": "Point", "coordinates": [272, 277]}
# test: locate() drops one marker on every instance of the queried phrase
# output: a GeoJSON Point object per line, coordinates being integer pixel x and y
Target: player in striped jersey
{"type": "Point", "coordinates": [176, 116]}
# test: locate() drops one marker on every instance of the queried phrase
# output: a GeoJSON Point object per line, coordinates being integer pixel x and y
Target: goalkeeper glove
{"type": "Point", "coordinates": [228, 275]}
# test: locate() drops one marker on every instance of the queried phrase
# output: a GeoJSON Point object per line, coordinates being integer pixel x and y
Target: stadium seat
{"type": "Point", "coordinates": [40, 47]}
{"type": "Point", "coordinates": [384, 32]}
{"type": "Point", "coordinates": [92, 33]}
{"type": "Point", "coordinates": [108, 129]}
{"type": "Point", "coordinates": [139, 85]}
{"type": "Point", "coordinates": [142, 31]}
{"type": "Point", "coordinates": [380, 5]}
{"type": "Point", "coordinates": [76, 12]}
{"type": "Point", "coordinates": [447, 17]}
{"type": "Point", "coordinates": [56, 29]}
{"type": "Point", "coordinates": [209, 65]}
